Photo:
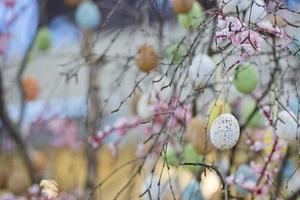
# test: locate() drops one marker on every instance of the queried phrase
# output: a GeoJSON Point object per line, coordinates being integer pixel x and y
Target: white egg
{"type": "Point", "coordinates": [225, 131]}
{"type": "Point", "coordinates": [144, 108]}
{"type": "Point", "coordinates": [286, 126]}
{"type": "Point", "coordinates": [159, 88]}
{"type": "Point", "coordinates": [201, 69]}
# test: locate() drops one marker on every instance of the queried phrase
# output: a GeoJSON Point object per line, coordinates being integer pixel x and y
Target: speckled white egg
{"type": "Point", "coordinates": [201, 69]}
{"type": "Point", "coordinates": [225, 131]}
{"type": "Point", "coordinates": [144, 108]}
{"type": "Point", "coordinates": [286, 126]}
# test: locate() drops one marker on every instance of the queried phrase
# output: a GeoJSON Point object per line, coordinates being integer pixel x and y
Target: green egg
{"type": "Point", "coordinates": [246, 78]}
{"type": "Point", "coordinates": [258, 119]}
{"type": "Point", "coordinates": [43, 41]}
{"type": "Point", "coordinates": [176, 52]}
{"type": "Point", "coordinates": [192, 19]}
{"type": "Point", "coordinates": [191, 156]}
{"type": "Point", "coordinates": [171, 156]}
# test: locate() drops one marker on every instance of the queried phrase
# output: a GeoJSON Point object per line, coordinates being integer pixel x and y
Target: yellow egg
{"type": "Point", "coordinates": [215, 109]}
{"type": "Point", "coordinates": [198, 136]}
{"type": "Point", "coordinates": [18, 182]}
{"type": "Point", "coordinates": [69, 168]}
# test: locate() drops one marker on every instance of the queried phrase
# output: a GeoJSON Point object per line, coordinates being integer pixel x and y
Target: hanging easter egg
{"type": "Point", "coordinates": [198, 136]}
{"type": "Point", "coordinates": [245, 173]}
{"type": "Point", "coordinates": [294, 47]}
{"type": "Point", "coordinates": [43, 40]}
{"type": "Point", "coordinates": [286, 126]}
{"type": "Point", "coordinates": [39, 161]}
{"type": "Point", "coordinates": [3, 178]}
{"type": "Point", "coordinates": [216, 109]}
{"type": "Point", "coordinates": [73, 3]}
{"type": "Point", "coordinates": [134, 103]}
{"type": "Point", "coordinates": [31, 88]}
{"type": "Point", "coordinates": [171, 156]}
{"type": "Point", "coordinates": [146, 58]}
{"type": "Point", "coordinates": [288, 170]}
{"type": "Point", "coordinates": [182, 6]}
{"type": "Point", "coordinates": [294, 104]}
{"type": "Point", "coordinates": [88, 15]}
{"type": "Point", "coordinates": [202, 69]}
{"type": "Point", "coordinates": [246, 78]}
{"type": "Point", "coordinates": [144, 107]}
{"type": "Point", "coordinates": [192, 19]}
{"type": "Point", "coordinates": [192, 191]}
{"type": "Point", "coordinates": [177, 52]}
{"type": "Point", "coordinates": [18, 182]}
{"type": "Point", "coordinates": [247, 107]}
{"type": "Point", "coordinates": [225, 131]}
{"type": "Point", "coordinates": [293, 5]}
{"type": "Point", "coordinates": [191, 156]}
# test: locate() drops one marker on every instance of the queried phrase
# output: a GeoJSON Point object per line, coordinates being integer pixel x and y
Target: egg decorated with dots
{"type": "Point", "coordinates": [286, 126]}
{"type": "Point", "coordinates": [192, 191]}
{"type": "Point", "coordinates": [246, 78]}
{"type": "Point", "coordinates": [192, 19]}
{"type": "Point", "coordinates": [225, 131]}
{"type": "Point", "coordinates": [182, 6]}
{"type": "Point", "coordinates": [146, 58]}
{"type": "Point", "coordinates": [202, 69]}
{"type": "Point", "coordinates": [88, 15]}
{"type": "Point", "coordinates": [198, 136]}
{"type": "Point", "coordinates": [216, 109]}
{"type": "Point", "coordinates": [177, 52]}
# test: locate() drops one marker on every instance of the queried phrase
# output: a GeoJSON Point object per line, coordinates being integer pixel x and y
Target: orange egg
{"type": "Point", "coordinates": [3, 178]}
{"type": "Point", "coordinates": [146, 58]}
{"type": "Point", "coordinates": [182, 6]}
{"type": "Point", "coordinates": [73, 3]}
{"type": "Point", "coordinates": [31, 88]}
{"type": "Point", "coordinates": [39, 161]}
{"type": "Point", "coordinates": [198, 136]}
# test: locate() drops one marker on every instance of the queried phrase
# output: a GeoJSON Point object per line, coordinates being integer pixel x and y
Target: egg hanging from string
{"type": "Point", "coordinates": [72, 3]}
{"type": "Point", "coordinates": [144, 107]}
{"type": "Point", "coordinates": [225, 131]}
{"type": "Point", "coordinates": [88, 15]}
{"type": "Point", "coordinates": [177, 52]}
{"type": "Point", "coordinates": [287, 126]}
{"type": "Point", "coordinates": [31, 88]}
{"type": "Point", "coordinates": [182, 6]}
{"type": "Point", "coordinates": [192, 191]}
{"type": "Point", "coordinates": [192, 20]}
{"type": "Point", "coordinates": [146, 58]}
{"type": "Point", "coordinates": [246, 78]}
{"type": "Point", "coordinates": [202, 69]}
{"type": "Point", "coordinates": [43, 40]}
{"type": "Point", "coordinates": [198, 136]}
{"type": "Point", "coordinates": [216, 109]}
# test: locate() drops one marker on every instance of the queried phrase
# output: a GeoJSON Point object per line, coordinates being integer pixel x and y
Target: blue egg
{"type": "Point", "coordinates": [293, 5]}
{"type": "Point", "coordinates": [192, 192]}
{"type": "Point", "coordinates": [294, 104]}
{"type": "Point", "coordinates": [245, 171]}
{"type": "Point", "coordinates": [288, 170]}
{"type": "Point", "coordinates": [88, 16]}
